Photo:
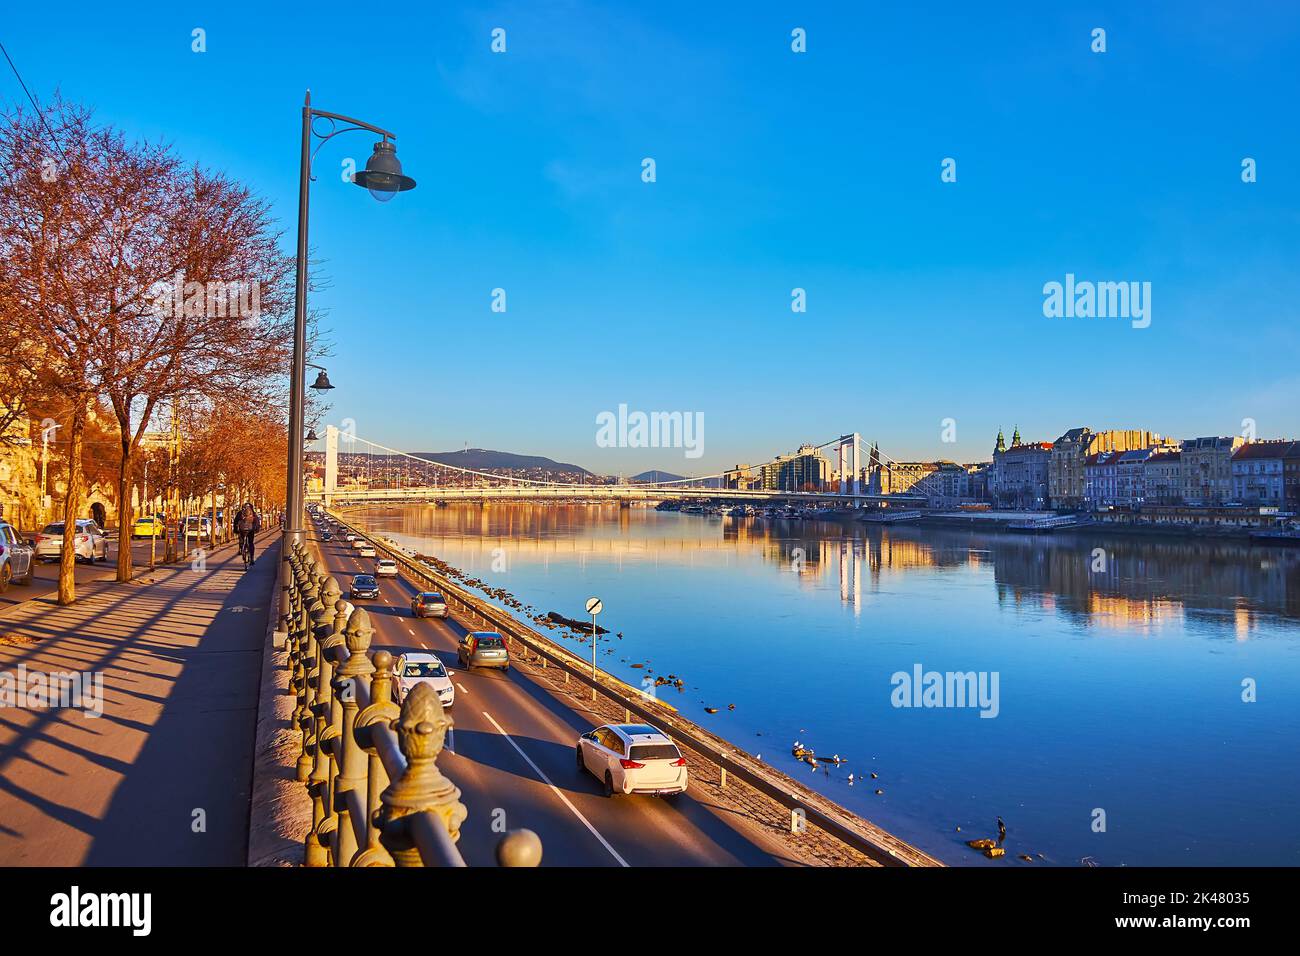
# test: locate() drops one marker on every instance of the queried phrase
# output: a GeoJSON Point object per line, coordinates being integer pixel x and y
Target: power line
{"type": "Point", "coordinates": [31, 99]}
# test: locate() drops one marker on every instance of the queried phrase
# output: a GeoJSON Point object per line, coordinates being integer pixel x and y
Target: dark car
{"type": "Point", "coordinates": [364, 586]}
{"type": "Point", "coordinates": [326, 536]}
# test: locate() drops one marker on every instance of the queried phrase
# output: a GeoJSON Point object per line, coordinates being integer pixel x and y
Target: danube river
{"type": "Point", "coordinates": [1143, 694]}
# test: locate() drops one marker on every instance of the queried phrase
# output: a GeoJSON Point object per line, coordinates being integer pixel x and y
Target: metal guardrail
{"type": "Point", "coordinates": [805, 805]}
{"type": "Point", "coordinates": [370, 766]}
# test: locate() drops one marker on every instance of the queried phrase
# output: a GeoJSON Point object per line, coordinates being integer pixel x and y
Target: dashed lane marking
{"type": "Point", "coordinates": [556, 790]}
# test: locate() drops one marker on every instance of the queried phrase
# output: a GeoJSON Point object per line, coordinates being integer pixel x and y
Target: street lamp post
{"type": "Point", "coordinates": [383, 178]}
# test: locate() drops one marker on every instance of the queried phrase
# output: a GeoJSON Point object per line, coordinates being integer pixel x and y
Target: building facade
{"type": "Point", "coordinates": [1018, 476]}
{"type": "Point", "coordinates": [1066, 475]}
{"type": "Point", "coordinates": [1163, 478]}
{"type": "Point", "coordinates": [1259, 472]}
{"type": "Point", "coordinates": [1207, 470]}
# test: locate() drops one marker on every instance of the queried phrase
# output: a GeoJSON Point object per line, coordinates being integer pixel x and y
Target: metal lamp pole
{"type": "Point", "coordinates": [383, 178]}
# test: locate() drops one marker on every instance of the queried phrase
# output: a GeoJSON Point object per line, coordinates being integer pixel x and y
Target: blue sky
{"type": "Point", "coordinates": [775, 170]}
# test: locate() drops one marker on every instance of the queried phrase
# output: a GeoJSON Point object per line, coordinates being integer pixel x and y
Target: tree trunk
{"type": "Point", "coordinates": [71, 506]}
{"type": "Point", "coordinates": [125, 514]}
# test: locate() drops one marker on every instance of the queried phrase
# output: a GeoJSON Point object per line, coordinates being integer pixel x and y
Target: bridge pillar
{"type": "Point", "coordinates": [331, 464]}
{"type": "Point", "coordinates": [850, 449]}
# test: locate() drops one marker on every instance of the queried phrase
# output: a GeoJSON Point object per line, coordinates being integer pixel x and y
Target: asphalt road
{"type": "Point", "coordinates": [47, 574]}
{"type": "Point", "coordinates": [512, 755]}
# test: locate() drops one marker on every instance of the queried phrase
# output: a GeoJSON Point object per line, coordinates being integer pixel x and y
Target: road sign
{"type": "Point", "coordinates": [594, 606]}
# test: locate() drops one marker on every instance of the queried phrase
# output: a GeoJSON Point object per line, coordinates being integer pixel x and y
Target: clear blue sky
{"type": "Point", "coordinates": [775, 170]}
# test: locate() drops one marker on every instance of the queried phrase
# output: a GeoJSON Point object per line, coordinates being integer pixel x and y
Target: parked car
{"type": "Point", "coordinates": [90, 544]}
{"type": "Point", "coordinates": [483, 649]}
{"type": "Point", "coordinates": [424, 668]}
{"type": "Point", "coordinates": [385, 568]}
{"type": "Point", "coordinates": [149, 526]}
{"type": "Point", "coordinates": [363, 586]}
{"type": "Point", "coordinates": [17, 557]}
{"type": "Point", "coordinates": [633, 758]}
{"type": "Point", "coordinates": [366, 550]}
{"type": "Point", "coordinates": [430, 604]}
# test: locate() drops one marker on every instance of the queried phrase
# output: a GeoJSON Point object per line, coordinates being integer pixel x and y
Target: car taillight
{"type": "Point", "coordinates": [679, 762]}
{"type": "Point", "coordinates": [630, 764]}
{"type": "Point", "coordinates": [83, 537]}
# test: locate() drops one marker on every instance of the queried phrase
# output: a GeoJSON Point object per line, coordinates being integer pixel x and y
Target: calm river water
{"type": "Point", "coordinates": [1119, 689]}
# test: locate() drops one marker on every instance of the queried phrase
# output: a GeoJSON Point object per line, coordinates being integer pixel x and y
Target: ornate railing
{"type": "Point", "coordinates": [370, 766]}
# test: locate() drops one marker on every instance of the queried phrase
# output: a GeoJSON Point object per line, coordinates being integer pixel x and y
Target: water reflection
{"type": "Point", "coordinates": [1099, 580]}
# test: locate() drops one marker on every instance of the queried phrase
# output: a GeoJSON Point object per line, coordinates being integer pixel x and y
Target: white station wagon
{"type": "Point", "coordinates": [633, 758]}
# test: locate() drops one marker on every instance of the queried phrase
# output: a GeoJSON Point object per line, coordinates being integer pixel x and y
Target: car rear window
{"type": "Point", "coordinates": [491, 643]}
{"type": "Point", "coordinates": [54, 529]}
{"type": "Point", "coordinates": [654, 752]}
{"type": "Point", "coordinates": [431, 597]}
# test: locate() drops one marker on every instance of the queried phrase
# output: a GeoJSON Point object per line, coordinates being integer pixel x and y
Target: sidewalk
{"type": "Point", "coordinates": [162, 778]}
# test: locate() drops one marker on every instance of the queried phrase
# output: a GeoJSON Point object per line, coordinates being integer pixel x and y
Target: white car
{"type": "Point", "coordinates": [385, 568]}
{"type": "Point", "coordinates": [365, 549]}
{"type": "Point", "coordinates": [423, 668]}
{"type": "Point", "coordinates": [350, 537]}
{"type": "Point", "coordinates": [633, 758]}
{"type": "Point", "coordinates": [90, 544]}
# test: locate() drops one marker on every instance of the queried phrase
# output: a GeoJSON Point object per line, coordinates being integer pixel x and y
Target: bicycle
{"type": "Point", "coordinates": [246, 547]}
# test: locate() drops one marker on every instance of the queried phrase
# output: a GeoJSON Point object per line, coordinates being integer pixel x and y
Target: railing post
{"type": "Point", "coordinates": [421, 731]}
{"type": "Point", "coordinates": [319, 716]}
{"type": "Point", "coordinates": [352, 760]}
{"type": "Point", "coordinates": [381, 710]}
{"type": "Point", "coordinates": [307, 654]}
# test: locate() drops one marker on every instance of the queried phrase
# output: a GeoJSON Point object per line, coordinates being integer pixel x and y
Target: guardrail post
{"type": "Point", "coordinates": [421, 732]}
{"type": "Point", "coordinates": [352, 760]}
{"type": "Point", "coordinates": [382, 710]}
{"type": "Point", "coordinates": [307, 655]}
{"type": "Point", "coordinates": [320, 714]}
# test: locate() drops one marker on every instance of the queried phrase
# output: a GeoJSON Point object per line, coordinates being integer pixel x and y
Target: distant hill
{"type": "Point", "coordinates": [483, 459]}
{"type": "Point", "coordinates": [655, 476]}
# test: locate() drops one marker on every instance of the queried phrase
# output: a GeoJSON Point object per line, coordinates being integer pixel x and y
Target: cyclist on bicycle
{"type": "Point", "coordinates": [247, 524]}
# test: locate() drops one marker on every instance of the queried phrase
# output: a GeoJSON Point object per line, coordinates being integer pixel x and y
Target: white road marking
{"type": "Point", "coordinates": [462, 688]}
{"type": "Point", "coordinates": [547, 780]}
{"type": "Point", "coordinates": [411, 632]}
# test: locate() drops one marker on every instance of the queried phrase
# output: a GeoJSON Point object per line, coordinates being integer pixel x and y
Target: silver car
{"type": "Point", "coordinates": [483, 649]}
{"type": "Point", "coordinates": [17, 559]}
{"type": "Point", "coordinates": [90, 545]}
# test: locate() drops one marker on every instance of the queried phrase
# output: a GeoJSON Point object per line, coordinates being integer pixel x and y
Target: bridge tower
{"type": "Point", "coordinates": [331, 463]}
{"type": "Point", "coordinates": [850, 449]}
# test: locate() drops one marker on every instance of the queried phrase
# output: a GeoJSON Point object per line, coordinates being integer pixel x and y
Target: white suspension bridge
{"type": "Point", "coordinates": [366, 471]}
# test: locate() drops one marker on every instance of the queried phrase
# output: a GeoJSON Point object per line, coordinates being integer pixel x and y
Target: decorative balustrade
{"type": "Point", "coordinates": [370, 766]}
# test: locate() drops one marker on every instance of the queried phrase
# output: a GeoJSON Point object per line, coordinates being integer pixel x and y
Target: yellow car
{"type": "Point", "coordinates": [149, 526]}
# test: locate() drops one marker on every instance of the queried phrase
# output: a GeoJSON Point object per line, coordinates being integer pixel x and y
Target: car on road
{"type": "Point", "coordinates": [424, 668]}
{"type": "Point", "coordinates": [326, 536]}
{"type": "Point", "coordinates": [149, 526]}
{"type": "Point", "coordinates": [17, 557]}
{"type": "Point", "coordinates": [89, 544]}
{"type": "Point", "coordinates": [365, 550]}
{"type": "Point", "coordinates": [363, 586]}
{"type": "Point", "coordinates": [633, 758]}
{"type": "Point", "coordinates": [385, 568]}
{"type": "Point", "coordinates": [350, 537]}
{"type": "Point", "coordinates": [430, 604]}
{"type": "Point", "coordinates": [483, 649]}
